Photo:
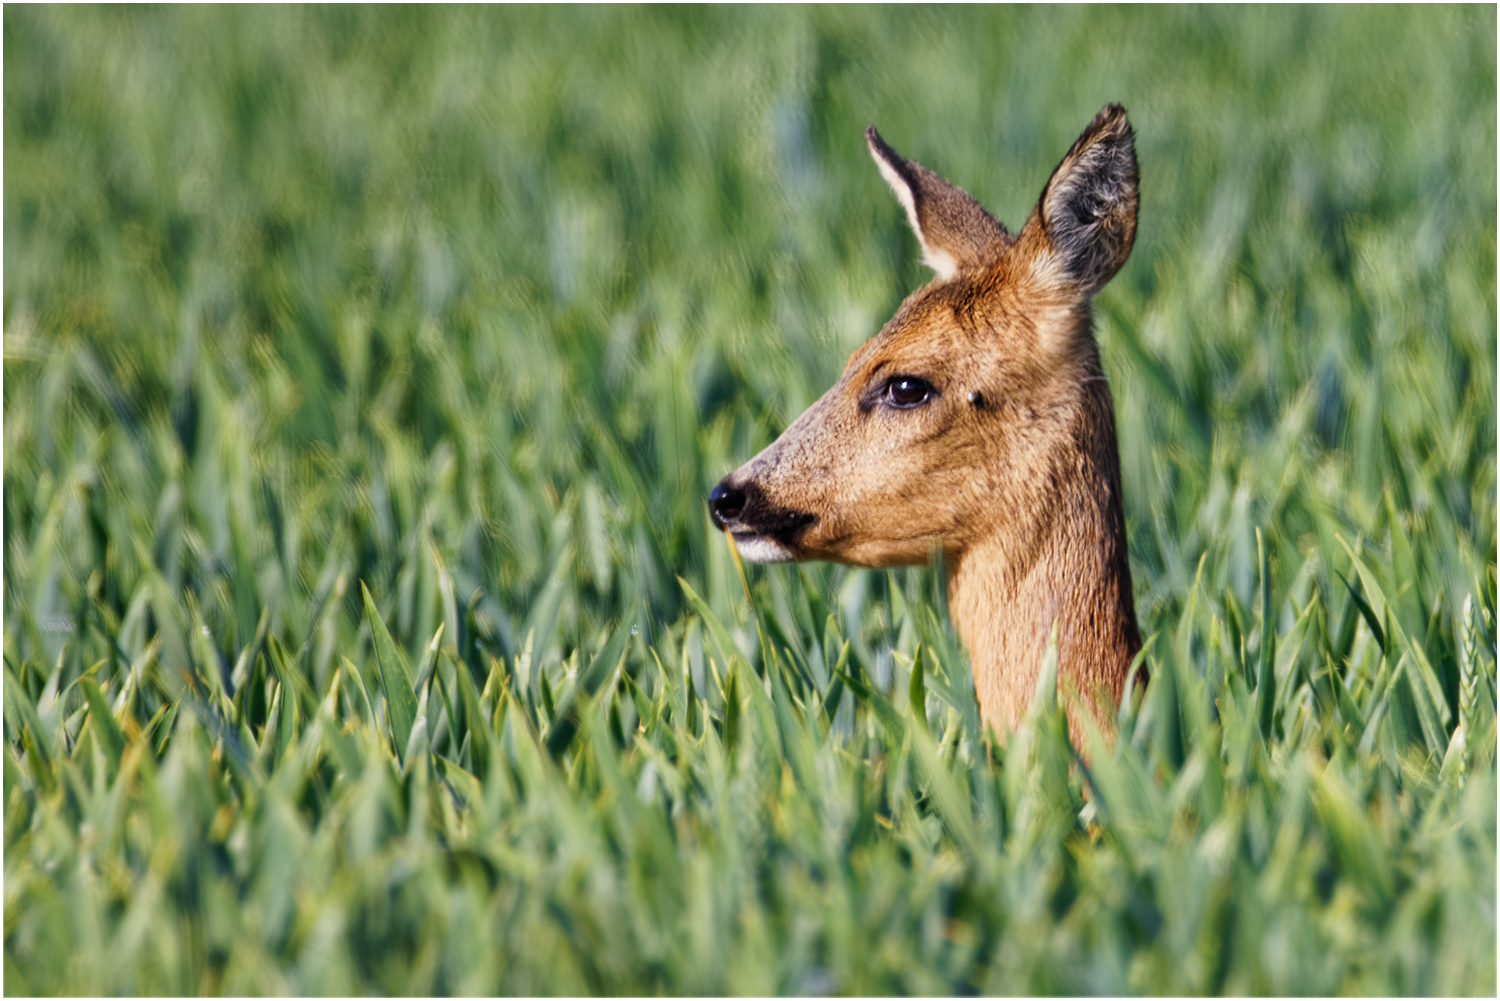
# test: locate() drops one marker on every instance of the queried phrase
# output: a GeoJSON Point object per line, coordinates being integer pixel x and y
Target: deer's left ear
{"type": "Point", "coordinates": [1088, 208]}
{"type": "Point", "coordinates": [957, 234]}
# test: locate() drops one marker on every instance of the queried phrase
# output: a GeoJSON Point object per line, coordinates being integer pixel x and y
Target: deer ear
{"type": "Point", "coordinates": [956, 233]}
{"type": "Point", "coordinates": [1088, 208]}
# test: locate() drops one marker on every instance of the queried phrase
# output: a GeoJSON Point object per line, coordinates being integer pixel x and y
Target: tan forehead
{"type": "Point", "coordinates": [929, 327]}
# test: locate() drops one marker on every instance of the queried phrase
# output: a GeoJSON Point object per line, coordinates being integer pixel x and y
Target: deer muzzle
{"type": "Point", "coordinates": [763, 532]}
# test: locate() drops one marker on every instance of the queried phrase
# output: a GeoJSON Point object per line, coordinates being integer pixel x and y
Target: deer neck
{"type": "Point", "coordinates": [1069, 565]}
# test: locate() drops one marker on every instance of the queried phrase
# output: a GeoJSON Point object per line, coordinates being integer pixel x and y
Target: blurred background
{"type": "Point", "coordinates": [290, 293]}
{"type": "Point", "coordinates": [473, 305]}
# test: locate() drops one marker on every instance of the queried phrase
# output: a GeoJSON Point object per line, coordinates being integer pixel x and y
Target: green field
{"type": "Point", "coordinates": [365, 631]}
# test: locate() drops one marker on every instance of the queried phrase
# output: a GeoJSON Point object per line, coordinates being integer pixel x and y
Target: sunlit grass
{"type": "Point", "coordinates": [365, 372]}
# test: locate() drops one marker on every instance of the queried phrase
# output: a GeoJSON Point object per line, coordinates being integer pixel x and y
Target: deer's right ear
{"type": "Point", "coordinates": [956, 232]}
{"type": "Point", "coordinates": [1088, 207]}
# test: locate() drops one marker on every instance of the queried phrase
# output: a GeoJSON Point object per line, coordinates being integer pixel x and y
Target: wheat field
{"type": "Point", "coordinates": [365, 371]}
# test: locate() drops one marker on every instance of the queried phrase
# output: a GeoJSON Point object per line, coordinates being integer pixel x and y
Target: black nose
{"type": "Point", "coordinates": [726, 503]}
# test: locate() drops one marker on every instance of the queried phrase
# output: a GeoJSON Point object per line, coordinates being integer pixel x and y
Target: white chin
{"type": "Point", "coordinates": [759, 549]}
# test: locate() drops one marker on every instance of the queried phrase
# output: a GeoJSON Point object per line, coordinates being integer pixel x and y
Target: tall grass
{"type": "Point", "coordinates": [365, 371]}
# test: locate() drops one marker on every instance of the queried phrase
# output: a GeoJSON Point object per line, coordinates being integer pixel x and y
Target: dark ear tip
{"type": "Point", "coordinates": [882, 152]}
{"type": "Point", "coordinates": [1111, 120]}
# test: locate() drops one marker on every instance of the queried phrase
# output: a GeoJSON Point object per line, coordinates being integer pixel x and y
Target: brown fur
{"type": "Point", "coordinates": [1011, 465]}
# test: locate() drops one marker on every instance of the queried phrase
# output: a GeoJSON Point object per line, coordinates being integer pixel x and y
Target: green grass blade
{"type": "Point", "coordinates": [108, 731]}
{"type": "Point", "coordinates": [395, 678]}
{"type": "Point", "coordinates": [567, 717]}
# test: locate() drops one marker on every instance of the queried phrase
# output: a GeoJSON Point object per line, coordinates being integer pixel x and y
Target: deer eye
{"type": "Point", "coordinates": [906, 391]}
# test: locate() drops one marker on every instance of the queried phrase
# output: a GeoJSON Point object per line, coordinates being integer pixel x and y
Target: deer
{"type": "Point", "coordinates": [978, 423]}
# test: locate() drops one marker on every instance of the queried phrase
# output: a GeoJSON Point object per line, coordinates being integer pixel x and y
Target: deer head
{"type": "Point", "coordinates": [978, 420]}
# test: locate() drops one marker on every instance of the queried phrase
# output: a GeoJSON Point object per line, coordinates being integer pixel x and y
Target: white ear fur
{"type": "Point", "coordinates": [938, 260]}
